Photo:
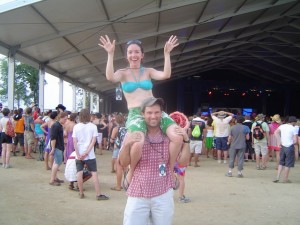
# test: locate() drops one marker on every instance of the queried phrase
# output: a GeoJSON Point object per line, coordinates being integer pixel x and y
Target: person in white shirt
{"type": "Point", "coordinates": [286, 138]}
{"type": "Point", "coordinates": [222, 128]}
{"type": "Point", "coordinates": [84, 138]}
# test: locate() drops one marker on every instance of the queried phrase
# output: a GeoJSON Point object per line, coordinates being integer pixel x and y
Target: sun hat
{"type": "Point", "coordinates": [276, 118]}
{"type": "Point", "coordinates": [221, 115]}
{"type": "Point", "coordinates": [61, 106]}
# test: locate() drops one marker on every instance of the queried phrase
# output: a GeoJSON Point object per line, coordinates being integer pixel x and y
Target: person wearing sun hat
{"type": "Point", "coordinates": [272, 145]}
{"type": "Point", "coordinates": [60, 108]}
{"type": "Point", "coordinates": [260, 146]}
{"type": "Point", "coordinates": [221, 121]}
{"type": "Point", "coordinates": [286, 138]}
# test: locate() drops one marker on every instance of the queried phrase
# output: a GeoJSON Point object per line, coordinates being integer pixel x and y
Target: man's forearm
{"type": "Point", "coordinates": [124, 155]}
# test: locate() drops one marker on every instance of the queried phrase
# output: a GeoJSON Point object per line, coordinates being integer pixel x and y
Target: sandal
{"type": "Point", "coordinates": [59, 181]}
{"type": "Point", "coordinates": [102, 197]}
{"type": "Point", "coordinates": [115, 189]}
{"type": "Point", "coordinates": [54, 183]}
{"type": "Point", "coordinates": [81, 195]}
{"type": "Point", "coordinates": [287, 181]}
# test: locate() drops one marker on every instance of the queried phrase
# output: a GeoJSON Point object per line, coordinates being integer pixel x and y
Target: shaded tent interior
{"type": "Point", "coordinates": [225, 46]}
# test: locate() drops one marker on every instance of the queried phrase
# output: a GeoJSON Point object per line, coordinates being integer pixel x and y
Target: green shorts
{"type": "Point", "coordinates": [136, 122]}
{"type": "Point", "coordinates": [209, 142]}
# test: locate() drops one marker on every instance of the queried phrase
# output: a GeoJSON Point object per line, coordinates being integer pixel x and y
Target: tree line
{"type": "Point", "coordinates": [26, 83]}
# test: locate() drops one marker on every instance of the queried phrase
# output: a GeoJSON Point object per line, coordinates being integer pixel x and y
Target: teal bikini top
{"type": "Point", "coordinates": [132, 86]}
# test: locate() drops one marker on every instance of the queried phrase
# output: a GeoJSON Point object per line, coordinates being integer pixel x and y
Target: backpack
{"type": "Point", "coordinates": [258, 132]}
{"type": "Point", "coordinates": [196, 131]}
{"type": "Point", "coordinates": [121, 135]}
{"type": "Point", "coordinates": [9, 130]}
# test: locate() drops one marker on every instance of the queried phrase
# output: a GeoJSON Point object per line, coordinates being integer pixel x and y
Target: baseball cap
{"type": "Point", "coordinates": [151, 101]}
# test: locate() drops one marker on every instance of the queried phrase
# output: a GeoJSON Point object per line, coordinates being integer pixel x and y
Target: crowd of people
{"type": "Point", "coordinates": [221, 136]}
{"type": "Point", "coordinates": [150, 149]}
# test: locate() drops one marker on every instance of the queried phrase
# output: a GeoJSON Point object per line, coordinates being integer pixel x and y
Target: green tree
{"type": "Point", "coordinates": [26, 83]}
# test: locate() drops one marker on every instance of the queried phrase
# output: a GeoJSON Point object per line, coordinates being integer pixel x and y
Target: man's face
{"type": "Point", "coordinates": [63, 120]}
{"type": "Point", "coordinates": [152, 115]}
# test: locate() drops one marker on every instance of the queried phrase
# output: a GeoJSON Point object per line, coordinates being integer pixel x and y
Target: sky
{"type": "Point", "coordinates": [51, 93]}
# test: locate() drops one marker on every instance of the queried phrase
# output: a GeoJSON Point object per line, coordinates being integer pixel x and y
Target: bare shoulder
{"type": "Point", "coordinates": [123, 70]}
{"type": "Point", "coordinates": [150, 71]}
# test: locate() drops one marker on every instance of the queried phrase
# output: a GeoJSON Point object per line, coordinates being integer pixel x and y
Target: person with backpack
{"type": "Point", "coordinates": [196, 134]}
{"type": "Point", "coordinates": [116, 139]}
{"type": "Point", "coordinates": [260, 136]}
{"type": "Point", "coordinates": [6, 126]}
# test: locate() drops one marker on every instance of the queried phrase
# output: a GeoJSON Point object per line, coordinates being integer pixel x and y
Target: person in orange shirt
{"type": "Point", "coordinates": [19, 130]}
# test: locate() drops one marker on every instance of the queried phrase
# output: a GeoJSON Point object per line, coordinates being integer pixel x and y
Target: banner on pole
{"type": "Point", "coordinates": [118, 94]}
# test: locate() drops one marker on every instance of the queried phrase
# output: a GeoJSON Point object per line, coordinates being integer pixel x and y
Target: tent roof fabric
{"type": "Point", "coordinates": [258, 38]}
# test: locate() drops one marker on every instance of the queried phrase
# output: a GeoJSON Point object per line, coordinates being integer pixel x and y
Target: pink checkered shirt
{"type": "Point", "coordinates": [146, 182]}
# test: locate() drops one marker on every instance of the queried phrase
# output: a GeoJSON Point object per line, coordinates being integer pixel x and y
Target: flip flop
{"type": "Point", "coordinates": [115, 189]}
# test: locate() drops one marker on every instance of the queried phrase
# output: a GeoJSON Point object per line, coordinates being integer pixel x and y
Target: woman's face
{"type": "Point", "coordinates": [134, 55]}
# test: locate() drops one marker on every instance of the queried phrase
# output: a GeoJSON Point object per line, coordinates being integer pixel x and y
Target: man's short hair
{"type": "Point", "coordinates": [240, 119]}
{"type": "Point", "coordinates": [84, 116]}
{"type": "Point", "coordinates": [152, 101]}
{"type": "Point", "coordinates": [5, 111]}
{"type": "Point", "coordinates": [28, 110]}
{"type": "Point", "coordinates": [292, 119]}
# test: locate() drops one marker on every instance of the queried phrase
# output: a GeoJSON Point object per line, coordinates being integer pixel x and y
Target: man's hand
{"type": "Point", "coordinates": [134, 137]}
{"type": "Point", "coordinates": [83, 156]}
{"type": "Point", "coordinates": [181, 131]}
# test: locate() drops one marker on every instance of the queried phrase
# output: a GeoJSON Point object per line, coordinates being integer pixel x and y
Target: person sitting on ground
{"type": "Point", "coordinates": [71, 172]}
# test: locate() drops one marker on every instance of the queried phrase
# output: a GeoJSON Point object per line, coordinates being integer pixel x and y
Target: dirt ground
{"type": "Point", "coordinates": [27, 198]}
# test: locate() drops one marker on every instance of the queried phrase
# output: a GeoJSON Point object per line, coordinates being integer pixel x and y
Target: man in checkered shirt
{"type": "Point", "coordinates": [150, 192]}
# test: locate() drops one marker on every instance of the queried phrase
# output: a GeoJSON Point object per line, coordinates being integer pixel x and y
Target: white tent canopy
{"type": "Point", "coordinates": [258, 38]}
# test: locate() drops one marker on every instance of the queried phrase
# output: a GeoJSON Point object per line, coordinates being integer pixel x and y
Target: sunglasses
{"type": "Point", "coordinates": [134, 42]}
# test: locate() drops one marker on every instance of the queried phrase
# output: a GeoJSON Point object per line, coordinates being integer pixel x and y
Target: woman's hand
{"type": "Point", "coordinates": [170, 44]}
{"type": "Point", "coordinates": [107, 44]}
